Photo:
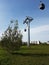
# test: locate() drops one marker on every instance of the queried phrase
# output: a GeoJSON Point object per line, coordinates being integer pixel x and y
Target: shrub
{"type": "Point", "coordinates": [12, 37]}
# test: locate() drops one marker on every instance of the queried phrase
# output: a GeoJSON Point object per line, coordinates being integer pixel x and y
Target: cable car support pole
{"type": "Point", "coordinates": [27, 21]}
{"type": "Point", "coordinates": [28, 33]}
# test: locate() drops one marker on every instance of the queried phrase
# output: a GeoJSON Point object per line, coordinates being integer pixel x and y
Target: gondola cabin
{"type": "Point", "coordinates": [42, 6]}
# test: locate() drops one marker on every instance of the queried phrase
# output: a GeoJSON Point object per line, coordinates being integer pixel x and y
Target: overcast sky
{"type": "Point", "coordinates": [19, 9]}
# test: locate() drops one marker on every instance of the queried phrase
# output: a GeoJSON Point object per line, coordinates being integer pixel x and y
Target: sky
{"type": "Point", "coordinates": [18, 10]}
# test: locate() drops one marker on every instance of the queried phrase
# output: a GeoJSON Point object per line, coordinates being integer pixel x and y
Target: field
{"type": "Point", "coordinates": [33, 55]}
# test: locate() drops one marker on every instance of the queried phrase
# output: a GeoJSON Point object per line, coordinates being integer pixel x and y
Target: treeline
{"type": "Point", "coordinates": [40, 43]}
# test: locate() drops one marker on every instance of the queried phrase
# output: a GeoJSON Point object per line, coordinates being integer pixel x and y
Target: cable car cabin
{"type": "Point", "coordinates": [42, 6]}
{"type": "Point", "coordinates": [25, 30]}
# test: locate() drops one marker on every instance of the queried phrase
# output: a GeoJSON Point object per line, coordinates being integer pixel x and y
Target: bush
{"type": "Point", "coordinates": [24, 44]}
{"type": "Point", "coordinates": [12, 38]}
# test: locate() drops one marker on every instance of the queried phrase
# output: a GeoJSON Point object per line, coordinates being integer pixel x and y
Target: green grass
{"type": "Point", "coordinates": [33, 55]}
{"type": "Point", "coordinates": [35, 49]}
{"type": "Point", "coordinates": [4, 57]}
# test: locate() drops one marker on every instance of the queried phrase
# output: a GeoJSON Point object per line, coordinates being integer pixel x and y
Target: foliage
{"type": "Point", "coordinates": [39, 55]}
{"type": "Point", "coordinates": [24, 44]}
{"type": "Point", "coordinates": [12, 37]}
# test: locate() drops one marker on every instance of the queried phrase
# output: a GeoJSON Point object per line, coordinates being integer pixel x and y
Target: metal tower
{"type": "Point", "coordinates": [27, 21]}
